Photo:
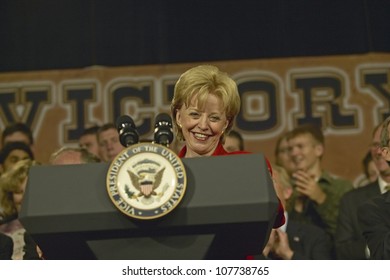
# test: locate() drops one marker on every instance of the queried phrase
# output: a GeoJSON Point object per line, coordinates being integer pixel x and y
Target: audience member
{"type": "Point", "coordinates": [370, 172]}
{"type": "Point", "coordinates": [89, 141]}
{"type": "Point", "coordinates": [349, 241]}
{"type": "Point", "coordinates": [234, 142]}
{"type": "Point", "coordinates": [6, 247]}
{"type": "Point", "coordinates": [295, 240]}
{"type": "Point", "coordinates": [17, 132]}
{"type": "Point", "coordinates": [70, 155]}
{"type": "Point", "coordinates": [374, 214]}
{"type": "Point", "coordinates": [317, 193]}
{"type": "Point", "coordinates": [204, 106]}
{"type": "Point", "coordinates": [13, 152]}
{"type": "Point", "coordinates": [109, 144]}
{"type": "Point", "coordinates": [12, 185]}
{"type": "Point", "coordinates": [369, 168]}
{"type": "Point", "coordinates": [374, 221]}
{"type": "Point", "coordinates": [282, 155]}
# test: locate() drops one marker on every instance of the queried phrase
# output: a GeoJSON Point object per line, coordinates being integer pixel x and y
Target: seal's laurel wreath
{"type": "Point", "coordinates": [146, 181]}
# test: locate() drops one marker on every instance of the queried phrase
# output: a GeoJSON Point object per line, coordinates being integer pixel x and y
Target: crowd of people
{"type": "Point", "coordinates": [320, 215]}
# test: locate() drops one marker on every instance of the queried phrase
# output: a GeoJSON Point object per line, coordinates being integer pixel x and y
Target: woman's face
{"type": "Point", "coordinates": [202, 127]}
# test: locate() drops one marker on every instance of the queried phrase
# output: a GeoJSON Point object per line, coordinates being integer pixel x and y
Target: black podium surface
{"type": "Point", "coordinates": [227, 213]}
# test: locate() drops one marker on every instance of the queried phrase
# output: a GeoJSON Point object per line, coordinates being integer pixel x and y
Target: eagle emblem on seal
{"type": "Point", "coordinates": [146, 177]}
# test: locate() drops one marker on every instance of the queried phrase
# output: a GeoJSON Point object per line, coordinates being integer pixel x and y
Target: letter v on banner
{"type": "Point", "coordinates": [26, 104]}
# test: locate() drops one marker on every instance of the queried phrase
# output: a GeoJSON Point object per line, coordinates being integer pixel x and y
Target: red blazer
{"type": "Point", "coordinates": [220, 151]}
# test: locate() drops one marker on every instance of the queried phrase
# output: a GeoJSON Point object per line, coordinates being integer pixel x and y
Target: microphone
{"type": "Point", "coordinates": [128, 134]}
{"type": "Point", "coordinates": [163, 133]}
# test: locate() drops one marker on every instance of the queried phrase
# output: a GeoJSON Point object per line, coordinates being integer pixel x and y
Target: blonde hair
{"type": "Point", "coordinates": [201, 81]}
{"type": "Point", "coordinates": [10, 182]}
{"type": "Point", "coordinates": [85, 155]}
{"type": "Point", "coordinates": [285, 183]}
{"type": "Point", "coordinates": [283, 176]}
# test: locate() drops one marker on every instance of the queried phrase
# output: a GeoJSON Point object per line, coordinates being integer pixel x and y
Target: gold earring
{"type": "Point", "coordinates": [179, 124]}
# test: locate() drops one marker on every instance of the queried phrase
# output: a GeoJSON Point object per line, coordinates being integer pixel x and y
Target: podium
{"type": "Point", "coordinates": [227, 212]}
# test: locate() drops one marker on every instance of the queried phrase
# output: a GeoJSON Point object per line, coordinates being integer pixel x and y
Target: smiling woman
{"type": "Point", "coordinates": [204, 106]}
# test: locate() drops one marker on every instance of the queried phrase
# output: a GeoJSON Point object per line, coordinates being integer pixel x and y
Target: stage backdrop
{"type": "Point", "coordinates": [345, 95]}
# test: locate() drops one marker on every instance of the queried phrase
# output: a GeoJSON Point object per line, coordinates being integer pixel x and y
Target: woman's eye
{"type": "Point", "coordinates": [194, 114]}
{"type": "Point", "coordinates": [215, 119]}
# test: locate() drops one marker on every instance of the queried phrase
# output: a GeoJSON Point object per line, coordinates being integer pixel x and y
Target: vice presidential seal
{"type": "Point", "coordinates": [146, 181]}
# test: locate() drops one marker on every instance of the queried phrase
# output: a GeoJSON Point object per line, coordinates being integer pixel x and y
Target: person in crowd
{"type": "Point", "coordinates": [70, 155]}
{"type": "Point", "coordinates": [295, 240]}
{"type": "Point", "coordinates": [17, 132]}
{"type": "Point", "coordinates": [13, 152]}
{"type": "Point", "coordinates": [369, 167]}
{"type": "Point", "coordinates": [374, 221]}
{"type": "Point", "coordinates": [109, 144]}
{"type": "Point", "coordinates": [374, 213]}
{"type": "Point", "coordinates": [203, 108]}
{"type": "Point", "coordinates": [282, 156]}
{"type": "Point", "coordinates": [234, 142]}
{"type": "Point", "coordinates": [13, 185]}
{"type": "Point", "coordinates": [89, 141]}
{"type": "Point", "coordinates": [6, 247]}
{"type": "Point", "coordinates": [317, 193]}
{"type": "Point", "coordinates": [349, 241]}
{"type": "Point", "coordinates": [370, 170]}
